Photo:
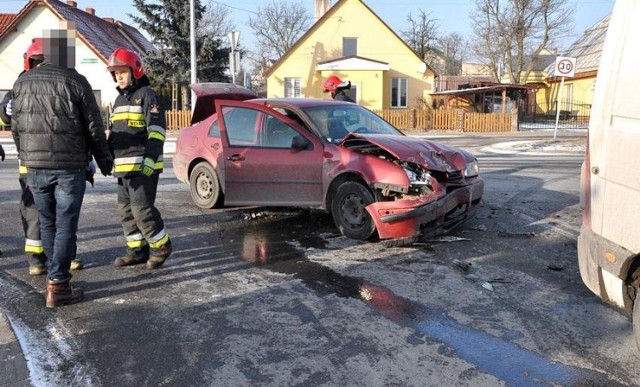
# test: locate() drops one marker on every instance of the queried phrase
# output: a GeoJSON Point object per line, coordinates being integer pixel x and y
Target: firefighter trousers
{"type": "Point", "coordinates": [141, 221]}
{"type": "Point", "coordinates": [30, 221]}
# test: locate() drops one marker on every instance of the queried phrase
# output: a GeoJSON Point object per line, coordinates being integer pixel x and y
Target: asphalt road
{"type": "Point", "coordinates": [276, 297]}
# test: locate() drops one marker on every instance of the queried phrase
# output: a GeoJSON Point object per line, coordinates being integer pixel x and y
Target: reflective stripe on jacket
{"type": "Point", "coordinates": [137, 130]}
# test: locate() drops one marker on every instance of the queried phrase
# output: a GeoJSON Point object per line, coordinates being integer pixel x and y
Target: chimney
{"type": "Point", "coordinates": [108, 19]}
{"type": "Point", "coordinates": [322, 6]}
{"type": "Point", "coordinates": [71, 3]}
{"type": "Point", "coordinates": [91, 11]}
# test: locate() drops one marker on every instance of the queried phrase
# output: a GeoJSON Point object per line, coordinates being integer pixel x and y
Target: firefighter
{"type": "Point", "coordinates": [336, 87]}
{"type": "Point", "coordinates": [137, 135]}
{"type": "Point", "coordinates": [28, 212]}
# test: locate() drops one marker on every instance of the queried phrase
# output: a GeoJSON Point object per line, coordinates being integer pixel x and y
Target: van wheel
{"type": "Point", "coordinates": [204, 186]}
{"type": "Point", "coordinates": [349, 213]}
{"type": "Point", "coordinates": [636, 319]}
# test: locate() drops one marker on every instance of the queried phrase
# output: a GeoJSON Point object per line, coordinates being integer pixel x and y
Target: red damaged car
{"type": "Point", "coordinates": [330, 155]}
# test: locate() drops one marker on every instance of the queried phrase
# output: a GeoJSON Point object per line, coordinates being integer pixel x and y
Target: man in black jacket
{"type": "Point", "coordinates": [28, 212]}
{"type": "Point", "coordinates": [56, 122]}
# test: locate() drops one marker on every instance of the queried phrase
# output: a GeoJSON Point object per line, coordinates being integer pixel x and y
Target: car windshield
{"type": "Point", "coordinates": [335, 122]}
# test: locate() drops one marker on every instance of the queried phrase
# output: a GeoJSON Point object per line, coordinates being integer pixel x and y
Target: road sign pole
{"type": "Point", "coordinates": [558, 107]}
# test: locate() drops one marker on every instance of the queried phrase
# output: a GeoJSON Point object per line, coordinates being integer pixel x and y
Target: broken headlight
{"type": "Point", "coordinates": [472, 169]}
{"type": "Point", "coordinates": [417, 179]}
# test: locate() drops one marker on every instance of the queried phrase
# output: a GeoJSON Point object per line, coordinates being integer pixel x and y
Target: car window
{"type": "Point", "coordinates": [276, 134]}
{"type": "Point", "coordinates": [214, 129]}
{"type": "Point", "coordinates": [335, 122]}
{"type": "Point", "coordinates": [240, 124]}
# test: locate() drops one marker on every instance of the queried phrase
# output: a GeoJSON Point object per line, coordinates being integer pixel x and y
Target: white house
{"type": "Point", "coordinates": [96, 39]}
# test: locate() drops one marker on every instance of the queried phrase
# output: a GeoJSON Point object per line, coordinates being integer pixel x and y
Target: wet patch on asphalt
{"type": "Point", "coordinates": [497, 356]}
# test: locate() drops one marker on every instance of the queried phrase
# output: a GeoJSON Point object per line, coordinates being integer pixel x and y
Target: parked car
{"type": "Point", "coordinates": [324, 154]}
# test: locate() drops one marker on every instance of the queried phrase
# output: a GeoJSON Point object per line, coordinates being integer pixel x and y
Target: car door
{"type": "Point", "coordinates": [261, 167]}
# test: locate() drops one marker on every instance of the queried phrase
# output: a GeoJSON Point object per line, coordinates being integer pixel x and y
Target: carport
{"type": "Point", "coordinates": [476, 98]}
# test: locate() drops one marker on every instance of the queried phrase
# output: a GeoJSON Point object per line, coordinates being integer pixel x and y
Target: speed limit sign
{"type": "Point", "coordinates": [565, 67]}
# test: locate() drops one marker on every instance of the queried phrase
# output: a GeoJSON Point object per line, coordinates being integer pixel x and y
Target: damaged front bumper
{"type": "Point", "coordinates": [410, 218]}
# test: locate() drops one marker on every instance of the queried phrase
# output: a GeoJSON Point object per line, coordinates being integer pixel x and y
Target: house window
{"type": "Point", "coordinates": [399, 92]}
{"type": "Point", "coordinates": [349, 46]}
{"type": "Point", "coordinates": [292, 88]}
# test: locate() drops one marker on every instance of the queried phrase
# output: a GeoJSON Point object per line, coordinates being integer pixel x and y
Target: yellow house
{"type": "Point", "coordinates": [349, 40]}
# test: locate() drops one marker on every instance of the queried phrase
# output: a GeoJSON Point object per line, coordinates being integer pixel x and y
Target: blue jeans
{"type": "Point", "coordinates": [58, 195]}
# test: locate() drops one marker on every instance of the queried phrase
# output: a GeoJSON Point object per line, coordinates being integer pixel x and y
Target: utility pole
{"type": "Point", "coordinates": [192, 28]}
{"type": "Point", "coordinates": [234, 56]}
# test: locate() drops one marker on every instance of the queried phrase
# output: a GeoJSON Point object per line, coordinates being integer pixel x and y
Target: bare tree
{"type": "Point", "coordinates": [422, 34]}
{"type": "Point", "coordinates": [216, 21]}
{"type": "Point", "coordinates": [453, 47]}
{"type": "Point", "coordinates": [510, 34]}
{"type": "Point", "coordinates": [279, 25]}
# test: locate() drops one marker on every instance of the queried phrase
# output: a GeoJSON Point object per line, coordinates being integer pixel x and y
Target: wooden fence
{"type": "Point", "coordinates": [454, 120]}
{"type": "Point", "coordinates": [177, 119]}
{"type": "Point", "coordinates": [408, 119]}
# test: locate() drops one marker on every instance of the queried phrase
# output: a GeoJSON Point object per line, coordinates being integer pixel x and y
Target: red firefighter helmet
{"type": "Point", "coordinates": [332, 83]}
{"type": "Point", "coordinates": [122, 57]}
{"type": "Point", "coordinates": [34, 52]}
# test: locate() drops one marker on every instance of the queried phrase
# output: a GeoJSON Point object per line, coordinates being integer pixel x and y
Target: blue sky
{"type": "Point", "coordinates": [452, 15]}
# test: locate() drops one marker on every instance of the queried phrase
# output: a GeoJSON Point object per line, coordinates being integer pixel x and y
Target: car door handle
{"type": "Point", "coordinates": [235, 158]}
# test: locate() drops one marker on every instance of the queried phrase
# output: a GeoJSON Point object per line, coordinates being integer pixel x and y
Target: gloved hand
{"type": "Point", "coordinates": [1, 153]}
{"type": "Point", "coordinates": [105, 168]}
{"type": "Point", "coordinates": [8, 109]}
{"type": "Point", "coordinates": [148, 166]}
{"type": "Point", "coordinates": [89, 171]}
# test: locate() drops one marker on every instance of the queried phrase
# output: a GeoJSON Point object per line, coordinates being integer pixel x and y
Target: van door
{"type": "Point", "coordinates": [614, 133]}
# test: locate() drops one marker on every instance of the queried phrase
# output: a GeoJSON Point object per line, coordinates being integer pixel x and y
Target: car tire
{"type": "Point", "coordinates": [204, 186]}
{"type": "Point", "coordinates": [349, 213]}
{"type": "Point", "coordinates": [636, 318]}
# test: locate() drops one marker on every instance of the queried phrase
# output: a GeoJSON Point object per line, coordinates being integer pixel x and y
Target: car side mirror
{"type": "Point", "coordinates": [299, 143]}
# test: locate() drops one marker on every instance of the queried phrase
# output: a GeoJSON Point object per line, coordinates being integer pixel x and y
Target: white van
{"type": "Point", "coordinates": [609, 242]}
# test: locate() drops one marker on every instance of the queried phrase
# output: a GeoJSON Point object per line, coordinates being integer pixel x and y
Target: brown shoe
{"type": "Point", "coordinates": [61, 293]}
{"type": "Point", "coordinates": [159, 255]}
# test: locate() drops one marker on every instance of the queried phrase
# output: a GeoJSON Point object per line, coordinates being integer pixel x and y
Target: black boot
{"type": "Point", "coordinates": [133, 257]}
{"type": "Point", "coordinates": [37, 264]}
{"type": "Point", "coordinates": [159, 255]}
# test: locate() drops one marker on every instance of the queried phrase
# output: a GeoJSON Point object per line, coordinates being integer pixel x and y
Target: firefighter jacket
{"type": "Point", "coordinates": [340, 95]}
{"type": "Point", "coordinates": [56, 120]}
{"type": "Point", "coordinates": [137, 129]}
{"type": "Point", "coordinates": [5, 119]}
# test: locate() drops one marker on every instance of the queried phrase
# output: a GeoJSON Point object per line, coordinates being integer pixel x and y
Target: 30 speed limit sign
{"type": "Point", "coordinates": [565, 67]}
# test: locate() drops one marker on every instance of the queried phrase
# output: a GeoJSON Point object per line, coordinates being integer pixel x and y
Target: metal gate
{"type": "Point", "coordinates": [573, 115]}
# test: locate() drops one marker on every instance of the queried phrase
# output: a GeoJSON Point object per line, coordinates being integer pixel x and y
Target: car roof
{"type": "Point", "coordinates": [208, 92]}
{"type": "Point", "coordinates": [300, 102]}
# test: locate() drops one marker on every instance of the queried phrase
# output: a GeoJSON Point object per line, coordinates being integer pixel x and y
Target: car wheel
{"type": "Point", "coordinates": [349, 213]}
{"type": "Point", "coordinates": [636, 319]}
{"type": "Point", "coordinates": [204, 186]}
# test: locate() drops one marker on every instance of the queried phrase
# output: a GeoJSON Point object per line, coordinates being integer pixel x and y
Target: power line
{"type": "Point", "coordinates": [236, 8]}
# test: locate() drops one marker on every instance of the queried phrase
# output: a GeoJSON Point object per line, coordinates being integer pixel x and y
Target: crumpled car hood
{"type": "Point", "coordinates": [432, 155]}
